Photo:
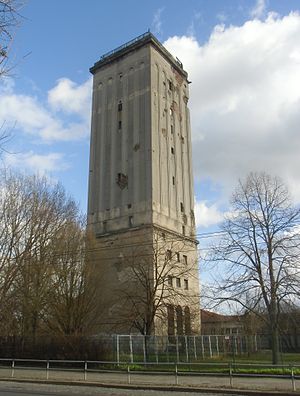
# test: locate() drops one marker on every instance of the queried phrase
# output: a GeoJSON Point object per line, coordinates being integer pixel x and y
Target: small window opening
{"type": "Point", "coordinates": [169, 254]}
{"type": "Point", "coordinates": [177, 256]}
{"type": "Point", "coordinates": [120, 106]}
{"type": "Point", "coordinates": [181, 207]}
{"type": "Point", "coordinates": [178, 282]}
{"type": "Point", "coordinates": [120, 125]}
{"type": "Point", "coordinates": [130, 221]}
{"type": "Point", "coordinates": [129, 206]}
{"type": "Point", "coordinates": [183, 230]}
{"type": "Point", "coordinates": [173, 180]}
{"type": "Point", "coordinates": [186, 284]}
{"type": "Point", "coordinates": [120, 76]}
{"type": "Point", "coordinates": [172, 129]}
{"type": "Point", "coordinates": [184, 259]}
{"type": "Point", "coordinates": [170, 85]}
{"type": "Point", "coordinates": [172, 150]}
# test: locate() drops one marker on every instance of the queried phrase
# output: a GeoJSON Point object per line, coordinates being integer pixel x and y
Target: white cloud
{"type": "Point", "coordinates": [37, 163]}
{"type": "Point", "coordinates": [69, 97]}
{"type": "Point", "coordinates": [206, 215]}
{"type": "Point", "coordinates": [245, 99]}
{"type": "Point", "coordinates": [259, 9]}
{"type": "Point", "coordinates": [156, 22]}
{"type": "Point", "coordinates": [32, 117]}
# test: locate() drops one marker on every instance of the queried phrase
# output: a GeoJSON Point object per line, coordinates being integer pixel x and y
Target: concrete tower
{"type": "Point", "coordinates": [141, 182]}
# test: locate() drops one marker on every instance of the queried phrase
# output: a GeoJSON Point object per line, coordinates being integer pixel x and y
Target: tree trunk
{"type": "Point", "coordinates": [275, 344]}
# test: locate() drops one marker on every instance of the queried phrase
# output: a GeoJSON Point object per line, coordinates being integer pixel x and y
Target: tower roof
{"type": "Point", "coordinates": [132, 45]}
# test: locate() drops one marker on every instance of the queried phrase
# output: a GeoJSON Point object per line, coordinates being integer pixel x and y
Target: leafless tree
{"type": "Point", "coordinates": [9, 20]}
{"type": "Point", "coordinates": [72, 296]}
{"type": "Point", "coordinates": [259, 251]}
{"type": "Point", "coordinates": [157, 277]}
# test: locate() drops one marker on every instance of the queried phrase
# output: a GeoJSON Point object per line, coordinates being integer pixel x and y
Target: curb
{"type": "Point", "coordinates": [170, 388]}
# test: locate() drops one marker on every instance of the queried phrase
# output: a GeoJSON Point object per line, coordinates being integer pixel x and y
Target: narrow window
{"type": "Point", "coordinates": [172, 150]}
{"type": "Point", "coordinates": [177, 256]}
{"type": "Point", "coordinates": [183, 230]}
{"type": "Point", "coordinates": [173, 180]}
{"type": "Point", "coordinates": [178, 282]}
{"type": "Point", "coordinates": [169, 254]}
{"type": "Point", "coordinates": [120, 76]}
{"type": "Point", "coordinates": [130, 221]}
{"type": "Point", "coordinates": [184, 259]}
{"type": "Point", "coordinates": [120, 106]}
{"type": "Point", "coordinates": [170, 280]}
{"type": "Point", "coordinates": [129, 206]}
{"type": "Point", "coordinates": [172, 129]}
{"type": "Point", "coordinates": [186, 284]}
{"type": "Point", "coordinates": [181, 207]}
{"type": "Point", "coordinates": [120, 125]}
{"type": "Point", "coordinates": [170, 85]}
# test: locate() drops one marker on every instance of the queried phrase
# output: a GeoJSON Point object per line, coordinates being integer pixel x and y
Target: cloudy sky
{"type": "Point", "coordinates": [242, 56]}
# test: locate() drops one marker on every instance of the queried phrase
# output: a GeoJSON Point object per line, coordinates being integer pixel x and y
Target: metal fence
{"type": "Point", "coordinates": [133, 348]}
{"type": "Point", "coordinates": [191, 374]}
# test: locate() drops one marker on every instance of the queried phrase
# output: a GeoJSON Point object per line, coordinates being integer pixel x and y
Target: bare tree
{"type": "Point", "coordinates": [9, 20]}
{"type": "Point", "coordinates": [72, 296]}
{"type": "Point", "coordinates": [156, 279]}
{"type": "Point", "coordinates": [259, 251]}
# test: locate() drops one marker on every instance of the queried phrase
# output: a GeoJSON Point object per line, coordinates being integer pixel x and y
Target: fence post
{"type": "Point", "coordinates": [85, 370]}
{"type": "Point", "coordinates": [12, 369]}
{"type": "Point", "coordinates": [118, 349]}
{"type": "Point", "coordinates": [176, 374]}
{"type": "Point", "coordinates": [209, 345]}
{"type": "Point", "coordinates": [186, 349]}
{"type": "Point", "coordinates": [293, 379]}
{"type": "Point", "coordinates": [128, 374]}
{"type": "Point", "coordinates": [47, 370]}
{"type": "Point", "coordinates": [195, 348]}
{"type": "Point", "coordinates": [230, 374]}
{"type": "Point", "coordinates": [131, 349]}
{"type": "Point", "coordinates": [177, 350]}
{"type": "Point", "coordinates": [202, 346]}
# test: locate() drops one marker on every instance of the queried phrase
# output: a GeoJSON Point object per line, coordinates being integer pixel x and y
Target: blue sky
{"type": "Point", "coordinates": [243, 57]}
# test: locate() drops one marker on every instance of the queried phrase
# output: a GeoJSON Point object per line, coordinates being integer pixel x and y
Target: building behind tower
{"type": "Point", "coordinates": [143, 249]}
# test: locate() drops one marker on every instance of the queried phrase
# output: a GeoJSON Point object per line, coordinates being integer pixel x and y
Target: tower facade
{"type": "Point", "coordinates": [141, 187]}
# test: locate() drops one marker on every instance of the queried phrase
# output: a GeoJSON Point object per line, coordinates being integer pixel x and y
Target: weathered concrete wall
{"type": "Point", "coordinates": [141, 181]}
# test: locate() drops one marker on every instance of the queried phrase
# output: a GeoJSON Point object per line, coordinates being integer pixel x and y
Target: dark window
{"type": "Point", "coordinates": [181, 207]}
{"type": "Point", "coordinates": [179, 320]}
{"type": "Point", "coordinates": [173, 180]}
{"type": "Point", "coordinates": [187, 320]}
{"type": "Point", "coordinates": [170, 85]}
{"type": "Point", "coordinates": [169, 254]}
{"type": "Point", "coordinates": [120, 106]}
{"type": "Point", "coordinates": [178, 282]}
{"type": "Point", "coordinates": [172, 150]}
{"type": "Point", "coordinates": [186, 284]}
{"type": "Point", "coordinates": [120, 76]}
{"type": "Point", "coordinates": [171, 320]}
{"type": "Point", "coordinates": [177, 256]}
{"type": "Point", "coordinates": [130, 221]}
{"type": "Point", "coordinates": [129, 206]}
{"type": "Point", "coordinates": [172, 129]}
{"type": "Point", "coordinates": [183, 230]}
{"type": "Point", "coordinates": [120, 125]}
{"type": "Point", "coordinates": [184, 259]}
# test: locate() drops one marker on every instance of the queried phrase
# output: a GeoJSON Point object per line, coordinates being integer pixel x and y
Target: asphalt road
{"type": "Point", "coordinates": [27, 389]}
